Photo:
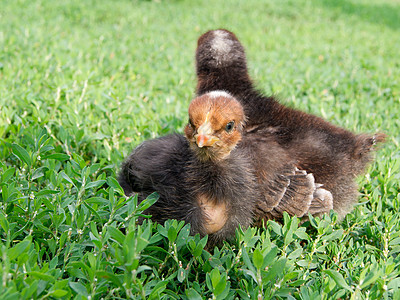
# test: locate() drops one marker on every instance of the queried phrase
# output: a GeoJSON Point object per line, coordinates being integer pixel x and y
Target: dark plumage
{"type": "Point", "coordinates": [220, 176]}
{"type": "Point", "coordinates": [213, 190]}
{"type": "Point", "coordinates": [244, 157]}
{"type": "Point", "coordinates": [333, 155]}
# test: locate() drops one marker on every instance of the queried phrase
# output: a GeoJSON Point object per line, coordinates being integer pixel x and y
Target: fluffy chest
{"type": "Point", "coordinates": [220, 191]}
{"type": "Point", "coordinates": [214, 214]}
{"type": "Point", "coordinates": [219, 182]}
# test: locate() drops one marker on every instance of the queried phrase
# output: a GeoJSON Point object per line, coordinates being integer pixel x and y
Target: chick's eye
{"type": "Point", "coordinates": [229, 126]}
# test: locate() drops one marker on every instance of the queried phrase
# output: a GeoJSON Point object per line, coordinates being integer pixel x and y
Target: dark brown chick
{"type": "Point", "coordinates": [202, 178]}
{"type": "Point", "coordinates": [214, 178]}
{"type": "Point", "coordinates": [215, 135]}
{"type": "Point", "coordinates": [333, 155]}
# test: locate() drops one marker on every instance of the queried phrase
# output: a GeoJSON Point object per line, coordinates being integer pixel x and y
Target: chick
{"type": "Point", "coordinates": [201, 178]}
{"type": "Point", "coordinates": [333, 155]}
{"type": "Point", "coordinates": [218, 177]}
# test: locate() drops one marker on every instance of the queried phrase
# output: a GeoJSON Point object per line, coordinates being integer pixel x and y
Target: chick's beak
{"type": "Point", "coordinates": [206, 140]}
{"type": "Point", "coordinates": [204, 137]}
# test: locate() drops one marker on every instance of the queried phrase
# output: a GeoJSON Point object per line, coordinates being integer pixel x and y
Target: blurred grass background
{"type": "Point", "coordinates": [125, 69]}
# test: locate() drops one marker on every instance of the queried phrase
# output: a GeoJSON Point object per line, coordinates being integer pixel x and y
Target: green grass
{"type": "Point", "coordinates": [83, 82]}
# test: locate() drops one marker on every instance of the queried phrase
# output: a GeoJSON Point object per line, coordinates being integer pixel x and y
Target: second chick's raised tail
{"type": "Point", "coordinates": [217, 177]}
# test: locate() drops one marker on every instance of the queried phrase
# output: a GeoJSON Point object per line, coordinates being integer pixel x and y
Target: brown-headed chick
{"type": "Point", "coordinates": [202, 178]}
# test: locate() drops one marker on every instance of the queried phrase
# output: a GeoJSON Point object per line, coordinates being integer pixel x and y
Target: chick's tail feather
{"type": "Point", "coordinates": [365, 143]}
{"type": "Point", "coordinates": [221, 63]}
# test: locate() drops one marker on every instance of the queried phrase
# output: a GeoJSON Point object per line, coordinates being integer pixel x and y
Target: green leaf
{"type": "Point", "coordinates": [141, 243]}
{"type": "Point", "coordinates": [396, 294]}
{"type": "Point", "coordinates": [3, 222]}
{"type": "Point", "coordinates": [181, 275]}
{"type": "Point", "coordinates": [247, 261]}
{"type": "Point", "coordinates": [78, 288]}
{"type": "Point", "coordinates": [288, 237]}
{"type": "Point", "coordinates": [7, 174]}
{"type": "Point", "coordinates": [149, 201]}
{"type": "Point", "coordinates": [395, 241]}
{"type": "Point", "coordinates": [300, 232]}
{"type": "Point", "coordinates": [97, 200]}
{"type": "Point", "coordinates": [258, 259]}
{"type": "Point", "coordinates": [41, 276]}
{"type": "Point", "coordinates": [155, 238]}
{"type": "Point", "coordinates": [91, 209]}
{"type": "Point", "coordinates": [46, 148]}
{"type": "Point", "coordinates": [277, 269]}
{"type": "Point", "coordinates": [249, 236]}
{"type": "Point", "coordinates": [46, 192]}
{"type": "Point", "coordinates": [372, 275]}
{"type": "Point", "coordinates": [94, 231]}
{"type": "Point", "coordinates": [19, 248]}
{"type": "Point", "coordinates": [338, 278]}
{"type": "Point", "coordinates": [198, 250]}
{"type": "Point", "coordinates": [95, 184]}
{"type": "Point", "coordinates": [333, 236]}
{"type": "Point", "coordinates": [277, 228]}
{"type": "Point", "coordinates": [58, 156]}
{"type": "Point", "coordinates": [215, 277]}
{"type": "Point", "coordinates": [183, 236]}
{"type": "Point", "coordinates": [203, 241]}
{"type": "Point", "coordinates": [116, 234]}
{"type": "Point", "coordinates": [92, 260]}
{"type": "Point", "coordinates": [58, 293]}
{"type": "Point", "coordinates": [193, 295]}
{"type": "Point", "coordinates": [157, 289]}
{"type": "Point", "coordinates": [306, 263]}
{"type": "Point", "coordinates": [172, 234]}
{"type": "Point", "coordinates": [295, 254]}
{"type": "Point", "coordinates": [22, 154]}
{"type": "Point", "coordinates": [270, 257]}
{"type": "Point", "coordinates": [394, 284]}
{"type": "Point", "coordinates": [66, 177]}
{"type": "Point", "coordinates": [112, 182]}
{"type": "Point", "coordinates": [110, 276]}
{"type": "Point", "coordinates": [220, 287]}
{"type": "Point", "coordinates": [313, 221]}
{"type": "Point", "coordinates": [39, 172]}
{"type": "Point", "coordinates": [162, 230]}
{"type": "Point", "coordinates": [251, 274]}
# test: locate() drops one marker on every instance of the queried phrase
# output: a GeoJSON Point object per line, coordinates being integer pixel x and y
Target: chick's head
{"type": "Point", "coordinates": [215, 125]}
